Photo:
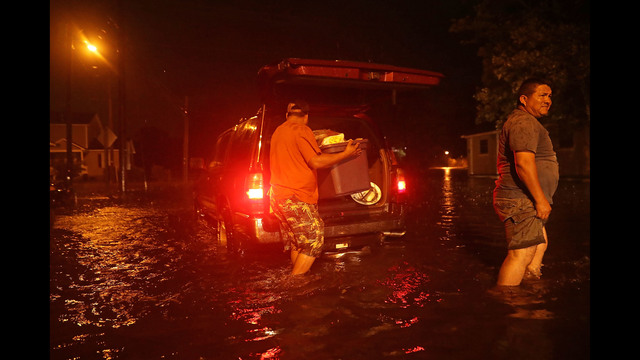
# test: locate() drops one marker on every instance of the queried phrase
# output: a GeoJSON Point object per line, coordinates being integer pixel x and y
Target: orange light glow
{"type": "Point", "coordinates": [94, 49]}
{"type": "Point", "coordinates": [91, 47]}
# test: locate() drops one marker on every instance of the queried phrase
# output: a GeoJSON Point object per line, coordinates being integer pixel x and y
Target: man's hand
{"type": "Point", "coordinates": [543, 209]}
{"type": "Point", "coordinates": [326, 160]}
{"type": "Point", "coordinates": [352, 148]}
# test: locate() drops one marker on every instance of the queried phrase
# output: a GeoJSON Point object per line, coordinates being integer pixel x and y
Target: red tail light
{"type": "Point", "coordinates": [401, 184]}
{"type": "Point", "coordinates": [255, 186]}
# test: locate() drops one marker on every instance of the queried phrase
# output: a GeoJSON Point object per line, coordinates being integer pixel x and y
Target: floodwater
{"type": "Point", "coordinates": [140, 278]}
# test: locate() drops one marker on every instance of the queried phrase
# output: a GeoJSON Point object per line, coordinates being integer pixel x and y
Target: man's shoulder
{"type": "Point", "coordinates": [519, 118]}
{"type": "Point", "coordinates": [294, 128]}
{"type": "Point", "coordinates": [302, 128]}
{"type": "Point", "coordinates": [518, 115]}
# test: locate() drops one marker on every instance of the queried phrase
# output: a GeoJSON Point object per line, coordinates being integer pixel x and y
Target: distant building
{"type": "Point", "coordinates": [573, 148]}
{"type": "Point", "coordinates": [482, 153]}
{"type": "Point", "coordinates": [87, 138]}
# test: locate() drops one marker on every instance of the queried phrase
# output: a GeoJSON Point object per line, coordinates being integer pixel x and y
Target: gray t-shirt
{"type": "Point", "coordinates": [523, 132]}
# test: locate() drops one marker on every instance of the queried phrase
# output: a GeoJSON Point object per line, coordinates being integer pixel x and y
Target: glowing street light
{"type": "Point", "coordinates": [96, 52]}
{"type": "Point", "coordinates": [91, 47]}
{"type": "Point", "coordinates": [73, 37]}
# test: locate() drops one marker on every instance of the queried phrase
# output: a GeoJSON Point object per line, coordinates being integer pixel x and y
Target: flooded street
{"type": "Point", "coordinates": [142, 278]}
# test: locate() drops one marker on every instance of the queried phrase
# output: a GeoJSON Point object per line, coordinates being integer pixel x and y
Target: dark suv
{"type": "Point", "coordinates": [233, 189]}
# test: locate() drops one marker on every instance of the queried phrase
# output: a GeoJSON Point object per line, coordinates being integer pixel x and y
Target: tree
{"type": "Point", "coordinates": [517, 39]}
{"type": "Point", "coordinates": [155, 147]}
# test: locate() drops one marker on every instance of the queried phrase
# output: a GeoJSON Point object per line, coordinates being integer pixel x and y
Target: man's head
{"type": "Point", "coordinates": [298, 108]}
{"type": "Point", "coordinates": [534, 97]}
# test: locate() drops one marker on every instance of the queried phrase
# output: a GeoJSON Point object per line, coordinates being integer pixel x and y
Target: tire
{"type": "Point", "coordinates": [221, 231]}
{"type": "Point", "coordinates": [227, 236]}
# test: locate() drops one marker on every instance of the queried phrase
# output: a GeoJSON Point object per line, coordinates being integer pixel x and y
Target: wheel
{"type": "Point", "coordinates": [227, 236]}
{"type": "Point", "coordinates": [221, 231]}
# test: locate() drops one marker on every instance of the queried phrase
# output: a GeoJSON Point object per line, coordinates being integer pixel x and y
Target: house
{"type": "Point", "coordinates": [482, 153]}
{"type": "Point", "coordinates": [87, 138]}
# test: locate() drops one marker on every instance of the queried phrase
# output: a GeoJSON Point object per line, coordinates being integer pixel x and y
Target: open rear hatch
{"type": "Point", "coordinates": [339, 94]}
{"type": "Point", "coordinates": [346, 74]}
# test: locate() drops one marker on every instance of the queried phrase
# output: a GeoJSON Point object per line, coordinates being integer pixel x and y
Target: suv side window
{"type": "Point", "coordinates": [220, 151]}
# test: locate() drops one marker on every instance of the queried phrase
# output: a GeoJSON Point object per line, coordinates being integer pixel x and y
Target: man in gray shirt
{"type": "Point", "coordinates": [528, 170]}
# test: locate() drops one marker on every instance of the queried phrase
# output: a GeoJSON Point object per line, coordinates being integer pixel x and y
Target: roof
{"type": "Point", "coordinates": [61, 145]}
{"type": "Point", "coordinates": [58, 117]}
{"type": "Point", "coordinates": [492, 132]}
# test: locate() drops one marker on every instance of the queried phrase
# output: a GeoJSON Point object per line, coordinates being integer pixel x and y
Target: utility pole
{"type": "Point", "coordinates": [105, 143]}
{"type": "Point", "coordinates": [68, 120]}
{"type": "Point", "coordinates": [121, 108]}
{"type": "Point", "coordinates": [185, 143]}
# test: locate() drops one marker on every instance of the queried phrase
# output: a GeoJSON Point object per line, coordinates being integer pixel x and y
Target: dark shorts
{"type": "Point", "coordinates": [301, 227]}
{"type": "Point", "coordinates": [522, 227]}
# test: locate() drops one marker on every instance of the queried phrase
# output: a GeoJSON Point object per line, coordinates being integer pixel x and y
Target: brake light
{"type": "Point", "coordinates": [255, 186]}
{"type": "Point", "coordinates": [401, 184]}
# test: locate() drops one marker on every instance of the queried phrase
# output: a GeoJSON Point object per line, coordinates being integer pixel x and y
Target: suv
{"type": "Point", "coordinates": [233, 189]}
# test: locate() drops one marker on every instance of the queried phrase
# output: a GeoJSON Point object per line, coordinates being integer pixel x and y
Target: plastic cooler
{"type": "Point", "coordinates": [346, 177]}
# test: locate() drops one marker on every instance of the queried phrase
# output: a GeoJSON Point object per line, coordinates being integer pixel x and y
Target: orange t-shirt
{"type": "Point", "coordinates": [292, 146]}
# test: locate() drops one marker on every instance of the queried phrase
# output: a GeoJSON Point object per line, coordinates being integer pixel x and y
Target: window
{"type": "Point", "coordinates": [484, 146]}
{"type": "Point", "coordinates": [221, 149]}
{"type": "Point", "coordinates": [242, 143]}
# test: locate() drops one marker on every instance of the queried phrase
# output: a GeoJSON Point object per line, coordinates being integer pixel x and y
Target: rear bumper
{"type": "Point", "coordinates": [382, 226]}
{"type": "Point", "coordinates": [265, 230]}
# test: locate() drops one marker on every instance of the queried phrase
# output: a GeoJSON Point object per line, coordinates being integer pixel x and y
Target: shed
{"type": "Point", "coordinates": [482, 153]}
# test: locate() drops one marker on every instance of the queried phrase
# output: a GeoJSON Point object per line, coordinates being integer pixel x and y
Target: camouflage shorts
{"type": "Point", "coordinates": [301, 227]}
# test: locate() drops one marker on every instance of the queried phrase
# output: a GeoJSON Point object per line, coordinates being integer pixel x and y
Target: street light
{"type": "Point", "coordinates": [74, 37]}
{"type": "Point", "coordinates": [70, 33]}
{"type": "Point", "coordinates": [106, 142]}
{"type": "Point", "coordinates": [99, 51]}
{"type": "Point", "coordinates": [91, 47]}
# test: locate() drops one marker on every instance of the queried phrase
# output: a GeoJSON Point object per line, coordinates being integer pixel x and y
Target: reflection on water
{"type": "Point", "coordinates": [448, 213]}
{"type": "Point", "coordinates": [408, 286]}
{"type": "Point", "coordinates": [117, 266]}
{"type": "Point", "coordinates": [146, 280]}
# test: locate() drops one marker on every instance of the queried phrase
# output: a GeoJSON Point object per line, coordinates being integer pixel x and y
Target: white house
{"type": "Point", "coordinates": [87, 136]}
{"type": "Point", "coordinates": [482, 153]}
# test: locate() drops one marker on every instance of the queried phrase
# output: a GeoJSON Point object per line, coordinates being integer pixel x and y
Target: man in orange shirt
{"type": "Point", "coordinates": [295, 157]}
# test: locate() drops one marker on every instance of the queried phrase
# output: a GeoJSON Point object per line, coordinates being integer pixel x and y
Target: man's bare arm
{"type": "Point", "coordinates": [528, 173]}
{"type": "Point", "coordinates": [326, 160]}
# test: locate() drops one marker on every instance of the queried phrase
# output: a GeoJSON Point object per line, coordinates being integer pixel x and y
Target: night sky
{"type": "Point", "coordinates": [211, 51]}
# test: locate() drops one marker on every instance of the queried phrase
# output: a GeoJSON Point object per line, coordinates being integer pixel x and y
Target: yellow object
{"type": "Point", "coordinates": [333, 139]}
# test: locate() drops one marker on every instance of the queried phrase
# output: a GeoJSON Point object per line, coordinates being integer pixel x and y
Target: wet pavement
{"type": "Point", "coordinates": [140, 277]}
